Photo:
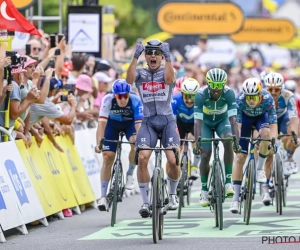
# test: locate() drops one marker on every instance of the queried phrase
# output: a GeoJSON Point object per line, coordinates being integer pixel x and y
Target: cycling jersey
{"type": "Point", "coordinates": [286, 103]}
{"type": "Point", "coordinates": [156, 95]}
{"type": "Point", "coordinates": [110, 110]}
{"type": "Point", "coordinates": [267, 105]}
{"type": "Point", "coordinates": [209, 110]}
{"type": "Point", "coordinates": [181, 111]}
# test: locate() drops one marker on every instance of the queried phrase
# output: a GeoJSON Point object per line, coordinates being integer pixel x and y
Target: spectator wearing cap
{"type": "Point", "coordinates": [103, 81]}
{"type": "Point", "coordinates": [17, 107]}
{"type": "Point", "coordinates": [64, 75]}
{"type": "Point", "coordinates": [84, 89]}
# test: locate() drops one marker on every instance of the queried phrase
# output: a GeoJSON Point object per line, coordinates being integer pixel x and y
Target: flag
{"type": "Point", "coordinates": [12, 20]}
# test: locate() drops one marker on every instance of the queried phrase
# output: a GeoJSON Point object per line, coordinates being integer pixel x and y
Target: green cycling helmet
{"type": "Point", "coordinates": [216, 78]}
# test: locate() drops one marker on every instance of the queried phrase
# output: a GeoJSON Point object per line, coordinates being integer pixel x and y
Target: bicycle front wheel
{"type": "Point", "coordinates": [249, 185]}
{"type": "Point", "coordinates": [155, 205]}
{"type": "Point", "coordinates": [279, 185]}
{"type": "Point", "coordinates": [182, 184]}
{"type": "Point", "coordinates": [219, 196]}
{"type": "Point", "coordinates": [117, 167]}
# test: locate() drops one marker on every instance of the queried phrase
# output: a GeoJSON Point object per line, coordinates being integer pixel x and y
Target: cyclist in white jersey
{"type": "Point", "coordinates": [155, 85]}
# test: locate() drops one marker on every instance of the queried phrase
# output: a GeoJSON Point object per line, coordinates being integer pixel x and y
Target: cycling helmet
{"type": "Point", "coordinates": [274, 80]}
{"type": "Point", "coordinates": [263, 75]}
{"type": "Point", "coordinates": [179, 82]}
{"type": "Point", "coordinates": [290, 85]}
{"type": "Point", "coordinates": [153, 44]}
{"type": "Point", "coordinates": [120, 86]}
{"type": "Point", "coordinates": [190, 86]}
{"type": "Point", "coordinates": [252, 86]}
{"type": "Point", "coordinates": [216, 75]}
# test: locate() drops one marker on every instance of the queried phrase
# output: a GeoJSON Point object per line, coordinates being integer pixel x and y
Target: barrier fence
{"type": "Point", "coordinates": [41, 181]}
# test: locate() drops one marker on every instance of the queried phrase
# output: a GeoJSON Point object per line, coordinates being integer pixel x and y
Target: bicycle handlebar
{"type": "Point", "coordinates": [175, 151]}
{"type": "Point", "coordinates": [200, 140]}
{"type": "Point", "coordinates": [256, 140]}
{"type": "Point", "coordinates": [186, 140]}
{"type": "Point", "coordinates": [293, 134]}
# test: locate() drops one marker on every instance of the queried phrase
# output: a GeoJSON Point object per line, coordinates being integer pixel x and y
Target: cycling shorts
{"type": "Point", "coordinates": [184, 128]}
{"type": "Point", "coordinates": [248, 122]}
{"type": "Point", "coordinates": [158, 124]}
{"type": "Point", "coordinates": [112, 130]}
{"type": "Point", "coordinates": [283, 122]}
{"type": "Point", "coordinates": [221, 127]}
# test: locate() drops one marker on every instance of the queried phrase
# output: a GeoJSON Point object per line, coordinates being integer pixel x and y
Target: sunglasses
{"type": "Point", "coordinates": [274, 89]}
{"type": "Point", "coordinates": [188, 96]}
{"type": "Point", "coordinates": [252, 97]}
{"type": "Point", "coordinates": [34, 49]}
{"type": "Point", "coordinates": [64, 77]}
{"type": "Point", "coordinates": [153, 52]}
{"type": "Point", "coordinates": [120, 96]}
{"type": "Point", "coordinates": [216, 85]}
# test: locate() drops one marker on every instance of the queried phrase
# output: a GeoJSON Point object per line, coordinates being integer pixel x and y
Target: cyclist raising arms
{"type": "Point", "coordinates": [215, 108]}
{"type": "Point", "coordinates": [287, 118]}
{"type": "Point", "coordinates": [256, 107]}
{"type": "Point", "coordinates": [183, 109]}
{"type": "Point", "coordinates": [155, 85]}
{"type": "Point", "coordinates": [119, 112]}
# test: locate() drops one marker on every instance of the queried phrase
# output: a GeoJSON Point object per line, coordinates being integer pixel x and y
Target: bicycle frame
{"type": "Point", "coordinates": [251, 157]}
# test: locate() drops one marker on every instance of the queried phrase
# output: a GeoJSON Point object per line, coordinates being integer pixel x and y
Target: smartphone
{"type": "Point", "coordinates": [28, 49]}
{"type": "Point", "coordinates": [59, 37]}
{"type": "Point", "coordinates": [57, 52]}
{"type": "Point", "coordinates": [53, 73]}
{"type": "Point", "coordinates": [52, 41]}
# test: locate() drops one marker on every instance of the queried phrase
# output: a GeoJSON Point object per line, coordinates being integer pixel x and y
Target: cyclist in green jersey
{"type": "Point", "coordinates": [215, 108]}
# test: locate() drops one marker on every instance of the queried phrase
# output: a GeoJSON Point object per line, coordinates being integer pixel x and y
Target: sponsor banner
{"type": "Point", "coordinates": [200, 18]}
{"type": "Point", "coordinates": [85, 147]}
{"type": "Point", "coordinates": [260, 30]}
{"type": "Point", "coordinates": [14, 169]}
{"type": "Point", "coordinates": [39, 176]}
{"type": "Point", "coordinates": [10, 215]}
{"type": "Point", "coordinates": [56, 172]}
{"type": "Point", "coordinates": [75, 171]}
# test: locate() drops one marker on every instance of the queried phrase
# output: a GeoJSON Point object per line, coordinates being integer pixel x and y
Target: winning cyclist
{"type": "Point", "coordinates": [183, 109]}
{"type": "Point", "coordinates": [120, 111]}
{"type": "Point", "coordinates": [287, 118]}
{"type": "Point", "coordinates": [256, 107]}
{"type": "Point", "coordinates": [155, 85]}
{"type": "Point", "coordinates": [215, 107]}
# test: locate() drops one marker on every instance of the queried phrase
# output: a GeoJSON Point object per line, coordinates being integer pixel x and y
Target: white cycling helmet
{"type": "Point", "coordinates": [190, 86]}
{"type": "Point", "coordinates": [290, 85]}
{"type": "Point", "coordinates": [263, 75]}
{"type": "Point", "coordinates": [274, 79]}
{"type": "Point", "coordinates": [252, 86]}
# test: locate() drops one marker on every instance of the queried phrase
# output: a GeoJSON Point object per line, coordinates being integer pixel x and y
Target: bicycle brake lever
{"type": "Point", "coordinates": [176, 155]}
{"type": "Point", "coordinates": [295, 139]}
{"type": "Point", "coordinates": [101, 143]}
{"type": "Point", "coordinates": [136, 156]}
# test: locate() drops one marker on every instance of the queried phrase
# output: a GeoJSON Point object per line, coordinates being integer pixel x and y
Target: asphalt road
{"type": "Point", "coordinates": [91, 229]}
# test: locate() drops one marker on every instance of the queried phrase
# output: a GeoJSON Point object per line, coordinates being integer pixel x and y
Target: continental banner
{"type": "Point", "coordinates": [43, 185]}
{"type": "Point", "coordinates": [75, 171]}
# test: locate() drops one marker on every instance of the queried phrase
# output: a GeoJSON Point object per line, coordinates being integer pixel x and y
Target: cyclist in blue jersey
{"type": "Point", "coordinates": [120, 111]}
{"type": "Point", "coordinates": [256, 107]}
{"type": "Point", "coordinates": [183, 109]}
{"type": "Point", "coordinates": [287, 117]}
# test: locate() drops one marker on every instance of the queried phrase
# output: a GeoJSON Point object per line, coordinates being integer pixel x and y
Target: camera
{"type": "Point", "coordinates": [71, 89]}
{"type": "Point", "coordinates": [15, 58]}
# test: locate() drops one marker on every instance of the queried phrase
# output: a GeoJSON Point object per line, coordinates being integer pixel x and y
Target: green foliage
{"type": "Point", "coordinates": [134, 22]}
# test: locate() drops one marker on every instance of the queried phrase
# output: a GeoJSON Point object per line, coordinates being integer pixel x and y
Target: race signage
{"type": "Point", "coordinates": [259, 30]}
{"type": "Point", "coordinates": [195, 18]}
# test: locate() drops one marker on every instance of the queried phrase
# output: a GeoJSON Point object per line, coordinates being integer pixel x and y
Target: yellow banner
{"type": "Point", "coordinates": [54, 165]}
{"type": "Point", "coordinates": [108, 24]}
{"type": "Point", "coordinates": [39, 176]}
{"type": "Point", "coordinates": [75, 171]}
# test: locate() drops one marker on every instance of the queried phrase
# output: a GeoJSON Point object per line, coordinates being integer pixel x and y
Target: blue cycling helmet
{"type": "Point", "coordinates": [120, 86]}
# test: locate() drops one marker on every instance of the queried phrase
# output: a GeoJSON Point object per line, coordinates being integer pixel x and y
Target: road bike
{"type": "Point", "coordinates": [185, 184]}
{"type": "Point", "coordinates": [216, 184]}
{"type": "Point", "coordinates": [249, 177]}
{"type": "Point", "coordinates": [278, 181]}
{"type": "Point", "coordinates": [159, 200]}
{"type": "Point", "coordinates": [116, 189]}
